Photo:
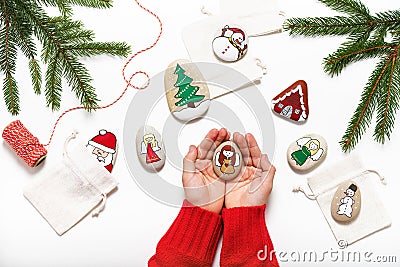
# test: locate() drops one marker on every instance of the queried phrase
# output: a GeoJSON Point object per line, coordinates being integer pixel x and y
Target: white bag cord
{"type": "Point", "coordinates": [311, 196]}
{"type": "Point", "coordinates": [100, 207]}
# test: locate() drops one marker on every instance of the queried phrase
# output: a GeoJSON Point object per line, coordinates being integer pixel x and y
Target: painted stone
{"type": "Point", "coordinates": [187, 92]}
{"type": "Point", "coordinates": [150, 148]}
{"type": "Point", "coordinates": [104, 148]}
{"type": "Point", "coordinates": [292, 103]}
{"type": "Point", "coordinates": [227, 160]}
{"type": "Point", "coordinates": [231, 43]}
{"type": "Point", "coordinates": [346, 202]}
{"type": "Point", "coordinates": [307, 152]}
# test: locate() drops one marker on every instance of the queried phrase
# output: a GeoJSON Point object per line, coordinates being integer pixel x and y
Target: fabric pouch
{"type": "Point", "coordinates": [72, 189]}
{"type": "Point", "coordinates": [257, 18]}
{"type": "Point", "coordinates": [372, 217]}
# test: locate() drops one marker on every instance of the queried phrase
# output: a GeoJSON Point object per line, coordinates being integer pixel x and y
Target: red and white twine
{"type": "Point", "coordinates": [28, 147]}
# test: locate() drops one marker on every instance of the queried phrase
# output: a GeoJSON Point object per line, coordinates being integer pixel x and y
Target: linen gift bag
{"type": "Point", "coordinates": [72, 189]}
{"type": "Point", "coordinates": [257, 18]}
{"type": "Point", "coordinates": [372, 217]}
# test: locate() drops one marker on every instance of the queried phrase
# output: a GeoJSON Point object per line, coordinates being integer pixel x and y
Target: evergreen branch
{"type": "Point", "coordinates": [388, 104]}
{"type": "Point", "coordinates": [36, 75]}
{"type": "Point", "coordinates": [351, 7]}
{"type": "Point", "coordinates": [336, 62]}
{"type": "Point", "coordinates": [99, 48]}
{"type": "Point", "coordinates": [363, 114]}
{"type": "Point", "coordinates": [8, 57]}
{"type": "Point", "coordinates": [322, 26]}
{"type": "Point", "coordinates": [53, 88]}
{"type": "Point", "coordinates": [78, 78]}
{"type": "Point", "coordinates": [64, 6]}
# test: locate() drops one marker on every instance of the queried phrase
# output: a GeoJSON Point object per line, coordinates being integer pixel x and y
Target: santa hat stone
{"type": "Point", "coordinates": [105, 141]}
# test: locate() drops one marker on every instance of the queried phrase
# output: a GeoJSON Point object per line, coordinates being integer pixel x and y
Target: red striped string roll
{"type": "Point", "coordinates": [25, 145]}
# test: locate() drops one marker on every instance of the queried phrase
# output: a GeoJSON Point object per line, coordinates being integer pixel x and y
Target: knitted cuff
{"type": "Point", "coordinates": [194, 233]}
{"type": "Point", "coordinates": [246, 234]}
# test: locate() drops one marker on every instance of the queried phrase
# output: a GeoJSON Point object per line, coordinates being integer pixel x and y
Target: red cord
{"type": "Point", "coordinates": [128, 81]}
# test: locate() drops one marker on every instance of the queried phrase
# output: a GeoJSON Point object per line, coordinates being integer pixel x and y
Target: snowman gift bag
{"type": "Point", "coordinates": [224, 38]}
{"type": "Point", "coordinates": [346, 196]}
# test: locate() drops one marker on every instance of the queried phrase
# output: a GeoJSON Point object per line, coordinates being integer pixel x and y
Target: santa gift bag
{"type": "Point", "coordinates": [75, 187]}
{"type": "Point", "coordinates": [325, 185]}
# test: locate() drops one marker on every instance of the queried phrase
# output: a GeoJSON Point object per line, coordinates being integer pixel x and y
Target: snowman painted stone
{"type": "Point", "coordinates": [346, 202]}
{"type": "Point", "coordinates": [307, 152]}
{"type": "Point", "coordinates": [104, 148]}
{"type": "Point", "coordinates": [227, 160]}
{"type": "Point", "coordinates": [230, 44]}
{"type": "Point", "coordinates": [292, 103]}
{"type": "Point", "coordinates": [187, 92]}
{"type": "Point", "coordinates": [150, 148]}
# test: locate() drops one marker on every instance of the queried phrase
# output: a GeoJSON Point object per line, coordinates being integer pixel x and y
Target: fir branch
{"type": "Point", "coordinates": [363, 114]}
{"type": "Point", "coordinates": [350, 7]}
{"type": "Point", "coordinates": [388, 103]}
{"type": "Point", "coordinates": [99, 48]}
{"type": "Point", "coordinates": [36, 75]}
{"type": "Point", "coordinates": [336, 62]}
{"type": "Point", "coordinates": [8, 57]}
{"type": "Point", "coordinates": [53, 88]}
{"type": "Point", "coordinates": [367, 39]}
{"type": "Point", "coordinates": [321, 26]}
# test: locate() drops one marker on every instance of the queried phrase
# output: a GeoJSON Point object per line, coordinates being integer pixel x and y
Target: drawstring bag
{"type": "Point", "coordinates": [256, 17]}
{"type": "Point", "coordinates": [372, 217]}
{"type": "Point", "coordinates": [71, 190]}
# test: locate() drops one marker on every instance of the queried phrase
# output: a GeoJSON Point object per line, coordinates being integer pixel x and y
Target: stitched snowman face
{"type": "Point", "coordinates": [227, 153]}
{"type": "Point", "coordinates": [349, 192]}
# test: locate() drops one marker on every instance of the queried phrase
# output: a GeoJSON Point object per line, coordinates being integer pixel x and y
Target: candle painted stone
{"type": "Point", "coordinates": [150, 148]}
{"type": "Point", "coordinates": [227, 160]}
{"type": "Point", "coordinates": [187, 92]}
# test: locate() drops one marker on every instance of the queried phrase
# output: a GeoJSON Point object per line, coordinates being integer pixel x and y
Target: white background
{"type": "Point", "coordinates": [127, 232]}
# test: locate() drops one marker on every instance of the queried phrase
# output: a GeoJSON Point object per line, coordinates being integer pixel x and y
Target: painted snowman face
{"type": "Point", "coordinates": [349, 192]}
{"type": "Point", "coordinates": [227, 153]}
{"type": "Point", "coordinates": [238, 38]}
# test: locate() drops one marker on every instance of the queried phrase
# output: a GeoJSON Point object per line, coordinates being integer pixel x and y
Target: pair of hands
{"type": "Point", "coordinates": [202, 186]}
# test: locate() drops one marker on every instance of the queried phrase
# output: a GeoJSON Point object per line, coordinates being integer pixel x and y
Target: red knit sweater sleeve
{"type": "Point", "coordinates": [191, 240]}
{"type": "Point", "coordinates": [246, 238]}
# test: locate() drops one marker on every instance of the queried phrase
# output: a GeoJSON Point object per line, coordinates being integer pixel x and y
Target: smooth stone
{"type": "Point", "coordinates": [292, 103]}
{"type": "Point", "coordinates": [346, 203]}
{"type": "Point", "coordinates": [227, 160]}
{"type": "Point", "coordinates": [150, 148]}
{"type": "Point", "coordinates": [186, 90]}
{"type": "Point", "coordinates": [307, 152]}
{"type": "Point", "coordinates": [104, 148]}
{"type": "Point", "coordinates": [230, 43]}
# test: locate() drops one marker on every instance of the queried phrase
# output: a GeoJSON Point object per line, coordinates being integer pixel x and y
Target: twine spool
{"type": "Point", "coordinates": [24, 143]}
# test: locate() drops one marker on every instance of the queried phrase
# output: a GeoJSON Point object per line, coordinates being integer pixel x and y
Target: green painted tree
{"type": "Point", "coordinates": [187, 92]}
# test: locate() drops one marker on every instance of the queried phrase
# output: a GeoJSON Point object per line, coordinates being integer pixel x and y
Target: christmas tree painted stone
{"type": "Point", "coordinates": [104, 148]}
{"type": "Point", "coordinates": [150, 148]}
{"type": "Point", "coordinates": [227, 160]}
{"type": "Point", "coordinates": [187, 92]}
{"type": "Point", "coordinates": [292, 103]}
{"type": "Point", "coordinates": [230, 44]}
{"type": "Point", "coordinates": [346, 202]}
{"type": "Point", "coordinates": [307, 152]}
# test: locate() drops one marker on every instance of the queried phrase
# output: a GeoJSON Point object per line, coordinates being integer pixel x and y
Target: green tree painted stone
{"type": "Point", "coordinates": [187, 93]}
